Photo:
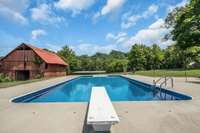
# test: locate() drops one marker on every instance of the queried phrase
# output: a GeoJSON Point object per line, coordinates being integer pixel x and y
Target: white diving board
{"type": "Point", "coordinates": [101, 113]}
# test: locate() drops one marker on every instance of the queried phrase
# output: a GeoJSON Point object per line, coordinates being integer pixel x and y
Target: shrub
{"type": "Point", "coordinates": [4, 78]}
{"type": "Point", "coordinates": [38, 76]}
{"type": "Point", "coordinates": [117, 66]}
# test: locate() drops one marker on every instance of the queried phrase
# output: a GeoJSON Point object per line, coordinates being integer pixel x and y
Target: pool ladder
{"type": "Point", "coordinates": [163, 81]}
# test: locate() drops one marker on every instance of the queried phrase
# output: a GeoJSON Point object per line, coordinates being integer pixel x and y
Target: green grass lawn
{"type": "Point", "coordinates": [172, 73]}
{"type": "Point", "coordinates": [14, 83]}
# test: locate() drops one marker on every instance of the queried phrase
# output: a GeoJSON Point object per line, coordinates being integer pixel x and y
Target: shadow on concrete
{"type": "Point", "coordinates": [88, 128]}
{"type": "Point", "coordinates": [194, 82]}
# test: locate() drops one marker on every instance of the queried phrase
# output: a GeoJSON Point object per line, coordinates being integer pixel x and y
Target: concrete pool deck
{"type": "Point", "coordinates": [138, 117]}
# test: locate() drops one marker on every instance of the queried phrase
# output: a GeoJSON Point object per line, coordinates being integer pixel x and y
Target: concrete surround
{"type": "Point", "coordinates": [135, 117]}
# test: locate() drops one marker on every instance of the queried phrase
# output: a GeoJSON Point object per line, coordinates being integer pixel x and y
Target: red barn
{"type": "Point", "coordinates": [27, 62]}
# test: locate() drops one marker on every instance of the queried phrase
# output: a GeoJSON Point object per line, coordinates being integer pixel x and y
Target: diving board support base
{"type": "Point", "coordinates": [103, 127]}
{"type": "Point", "coordinates": [101, 113]}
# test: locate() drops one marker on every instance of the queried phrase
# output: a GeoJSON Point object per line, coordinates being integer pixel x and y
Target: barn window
{"type": "Point", "coordinates": [46, 66]}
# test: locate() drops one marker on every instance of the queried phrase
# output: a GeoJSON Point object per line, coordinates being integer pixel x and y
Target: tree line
{"type": "Point", "coordinates": [140, 57]}
{"type": "Point", "coordinates": [185, 24]}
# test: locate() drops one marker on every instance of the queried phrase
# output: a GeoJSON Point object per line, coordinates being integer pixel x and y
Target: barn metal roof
{"type": "Point", "coordinates": [47, 57]}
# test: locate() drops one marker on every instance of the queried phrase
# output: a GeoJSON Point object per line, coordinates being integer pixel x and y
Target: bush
{"type": "Point", "coordinates": [4, 78]}
{"type": "Point", "coordinates": [38, 76]}
{"type": "Point", "coordinates": [117, 66]}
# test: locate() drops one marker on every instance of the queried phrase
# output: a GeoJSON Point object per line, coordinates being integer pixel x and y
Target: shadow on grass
{"type": "Point", "coordinates": [88, 128]}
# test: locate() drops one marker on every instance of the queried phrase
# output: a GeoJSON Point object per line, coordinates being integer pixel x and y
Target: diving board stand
{"type": "Point", "coordinates": [101, 113]}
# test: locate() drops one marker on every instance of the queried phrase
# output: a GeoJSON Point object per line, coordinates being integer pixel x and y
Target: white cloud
{"type": "Point", "coordinates": [153, 34]}
{"type": "Point", "coordinates": [13, 10]}
{"type": "Point", "coordinates": [15, 16]}
{"type": "Point", "coordinates": [7, 46]}
{"type": "Point", "coordinates": [53, 47]}
{"type": "Point", "coordinates": [76, 6]}
{"type": "Point", "coordinates": [44, 14]}
{"type": "Point", "coordinates": [37, 33]}
{"type": "Point", "coordinates": [111, 6]}
{"type": "Point", "coordinates": [160, 23]}
{"type": "Point", "coordinates": [110, 36]}
{"type": "Point", "coordinates": [129, 19]}
{"type": "Point", "coordinates": [96, 16]}
{"type": "Point", "coordinates": [150, 11]}
{"type": "Point", "coordinates": [118, 38]}
{"type": "Point", "coordinates": [115, 41]}
{"type": "Point", "coordinates": [149, 36]}
{"type": "Point", "coordinates": [90, 49]}
{"type": "Point", "coordinates": [182, 3]}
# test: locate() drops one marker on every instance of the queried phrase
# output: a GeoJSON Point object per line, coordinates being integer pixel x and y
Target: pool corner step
{"type": "Point", "coordinates": [100, 75]}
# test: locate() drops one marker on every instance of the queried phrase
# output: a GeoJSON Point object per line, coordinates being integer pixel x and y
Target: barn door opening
{"type": "Point", "coordinates": [22, 75]}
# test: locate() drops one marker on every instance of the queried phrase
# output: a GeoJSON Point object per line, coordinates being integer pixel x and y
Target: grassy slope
{"type": "Point", "coordinates": [14, 83]}
{"type": "Point", "coordinates": [173, 73]}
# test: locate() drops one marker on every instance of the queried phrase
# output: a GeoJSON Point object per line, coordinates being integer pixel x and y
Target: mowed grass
{"type": "Point", "coordinates": [14, 83]}
{"type": "Point", "coordinates": [172, 73]}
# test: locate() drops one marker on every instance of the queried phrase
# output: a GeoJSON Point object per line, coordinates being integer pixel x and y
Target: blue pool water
{"type": "Point", "coordinates": [117, 87]}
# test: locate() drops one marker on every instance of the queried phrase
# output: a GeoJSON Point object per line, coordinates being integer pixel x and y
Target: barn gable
{"type": "Point", "coordinates": [48, 57]}
{"type": "Point", "coordinates": [27, 61]}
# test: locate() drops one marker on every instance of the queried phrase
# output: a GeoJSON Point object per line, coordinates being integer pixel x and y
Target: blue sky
{"type": "Point", "coordinates": [86, 26]}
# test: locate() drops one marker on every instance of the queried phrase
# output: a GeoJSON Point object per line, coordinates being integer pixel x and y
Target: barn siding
{"type": "Point", "coordinates": [15, 62]}
{"type": "Point", "coordinates": [55, 70]}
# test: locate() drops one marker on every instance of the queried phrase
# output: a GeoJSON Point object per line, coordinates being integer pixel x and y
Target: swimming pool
{"type": "Point", "coordinates": [118, 88]}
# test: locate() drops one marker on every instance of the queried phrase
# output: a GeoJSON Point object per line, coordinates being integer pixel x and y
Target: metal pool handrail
{"type": "Point", "coordinates": [163, 83]}
{"type": "Point", "coordinates": [156, 81]}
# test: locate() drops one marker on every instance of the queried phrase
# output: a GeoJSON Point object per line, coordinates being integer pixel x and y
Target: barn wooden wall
{"type": "Point", "coordinates": [55, 70]}
{"type": "Point", "coordinates": [15, 61]}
